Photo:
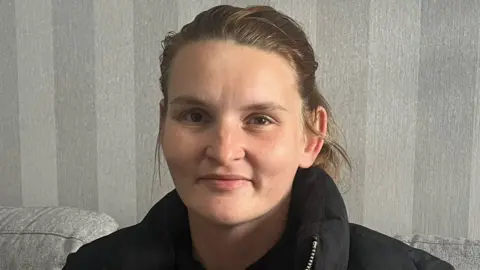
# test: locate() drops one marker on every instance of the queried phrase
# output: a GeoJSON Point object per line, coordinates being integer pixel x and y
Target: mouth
{"type": "Point", "coordinates": [224, 177]}
{"type": "Point", "coordinates": [224, 182]}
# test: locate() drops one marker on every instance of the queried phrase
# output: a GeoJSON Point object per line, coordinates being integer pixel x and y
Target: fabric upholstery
{"type": "Point", "coordinates": [42, 237]}
{"type": "Point", "coordinates": [462, 253]}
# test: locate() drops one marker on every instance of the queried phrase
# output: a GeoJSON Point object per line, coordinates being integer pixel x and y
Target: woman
{"type": "Point", "coordinates": [250, 145]}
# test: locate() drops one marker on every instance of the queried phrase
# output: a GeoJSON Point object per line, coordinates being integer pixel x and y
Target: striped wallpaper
{"type": "Point", "coordinates": [79, 100]}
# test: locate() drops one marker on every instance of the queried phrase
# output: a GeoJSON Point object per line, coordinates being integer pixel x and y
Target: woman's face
{"type": "Point", "coordinates": [232, 134]}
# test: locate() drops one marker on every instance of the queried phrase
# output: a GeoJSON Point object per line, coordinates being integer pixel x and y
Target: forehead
{"type": "Point", "coordinates": [223, 69]}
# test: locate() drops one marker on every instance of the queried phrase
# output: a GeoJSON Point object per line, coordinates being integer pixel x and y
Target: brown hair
{"type": "Point", "coordinates": [265, 28]}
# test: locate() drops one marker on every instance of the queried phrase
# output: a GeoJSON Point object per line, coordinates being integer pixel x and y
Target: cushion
{"type": "Point", "coordinates": [42, 237]}
{"type": "Point", "coordinates": [462, 253]}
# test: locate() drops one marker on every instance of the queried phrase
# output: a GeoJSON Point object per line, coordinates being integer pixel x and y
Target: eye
{"type": "Point", "coordinates": [194, 116]}
{"type": "Point", "coordinates": [260, 120]}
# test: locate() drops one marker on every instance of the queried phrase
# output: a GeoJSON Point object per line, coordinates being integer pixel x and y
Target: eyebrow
{"type": "Point", "coordinates": [260, 106]}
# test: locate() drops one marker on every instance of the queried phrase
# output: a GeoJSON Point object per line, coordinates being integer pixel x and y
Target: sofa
{"type": "Point", "coordinates": [42, 237]}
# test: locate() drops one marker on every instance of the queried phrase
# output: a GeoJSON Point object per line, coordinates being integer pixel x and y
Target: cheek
{"type": "Point", "coordinates": [281, 144]}
{"type": "Point", "coordinates": [276, 158]}
{"type": "Point", "coordinates": [276, 162]}
{"type": "Point", "coordinates": [178, 148]}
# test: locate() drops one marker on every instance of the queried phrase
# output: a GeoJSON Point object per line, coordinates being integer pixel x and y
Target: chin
{"type": "Point", "coordinates": [226, 220]}
{"type": "Point", "coordinates": [224, 214]}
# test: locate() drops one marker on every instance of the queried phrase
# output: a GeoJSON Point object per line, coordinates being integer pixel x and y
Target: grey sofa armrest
{"type": "Point", "coordinates": [42, 237]}
{"type": "Point", "coordinates": [463, 254]}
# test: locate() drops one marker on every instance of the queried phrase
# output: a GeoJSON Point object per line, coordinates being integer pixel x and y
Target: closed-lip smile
{"type": "Point", "coordinates": [224, 182]}
{"type": "Point", "coordinates": [223, 177]}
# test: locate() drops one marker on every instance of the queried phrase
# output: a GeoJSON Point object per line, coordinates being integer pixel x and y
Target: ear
{"type": "Point", "coordinates": [314, 142]}
{"type": "Point", "coordinates": [162, 115]}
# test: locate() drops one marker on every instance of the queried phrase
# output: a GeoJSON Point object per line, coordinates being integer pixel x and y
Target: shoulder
{"type": "Point", "coordinates": [102, 252]}
{"type": "Point", "coordinates": [372, 250]}
{"type": "Point", "coordinates": [138, 247]}
{"type": "Point", "coordinates": [146, 245]}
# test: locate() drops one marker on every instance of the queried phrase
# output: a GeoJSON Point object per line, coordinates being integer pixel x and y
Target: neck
{"type": "Point", "coordinates": [234, 247]}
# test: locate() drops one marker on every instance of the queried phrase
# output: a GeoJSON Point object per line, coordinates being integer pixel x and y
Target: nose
{"type": "Point", "coordinates": [225, 145]}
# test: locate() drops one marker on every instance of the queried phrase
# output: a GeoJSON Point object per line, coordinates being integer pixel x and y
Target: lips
{"type": "Point", "coordinates": [224, 182]}
{"type": "Point", "coordinates": [224, 177]}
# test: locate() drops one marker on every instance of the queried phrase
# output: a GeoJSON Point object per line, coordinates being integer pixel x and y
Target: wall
{"type": "Point", "coordinates": [79, 104]}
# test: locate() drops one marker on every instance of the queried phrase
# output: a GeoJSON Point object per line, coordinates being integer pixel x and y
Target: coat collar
{"type": "Point", "coordinates": [316, 208]}
{"type": "Point", "coordinates": [319, 208]}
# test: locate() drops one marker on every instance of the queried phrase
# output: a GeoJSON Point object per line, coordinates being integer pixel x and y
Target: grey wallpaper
{"type": "Point", "coordinates": [79, 104]}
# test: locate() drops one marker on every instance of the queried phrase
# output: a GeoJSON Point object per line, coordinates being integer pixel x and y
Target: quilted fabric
{"type": "Point", "coordinates": [462, 253]}
{"type": "Point", "coordinates": [42, 237]}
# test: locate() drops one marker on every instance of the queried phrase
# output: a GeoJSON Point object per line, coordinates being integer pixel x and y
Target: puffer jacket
{"type": "Point", "coordinates": [324, 239]}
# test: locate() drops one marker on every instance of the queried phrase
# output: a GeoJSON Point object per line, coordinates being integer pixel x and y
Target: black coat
{"type": "Point", "coordinates": [324, 240]}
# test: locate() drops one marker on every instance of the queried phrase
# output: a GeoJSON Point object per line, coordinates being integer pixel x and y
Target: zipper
{"type": "Point", "coordinates": [313, 252]}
